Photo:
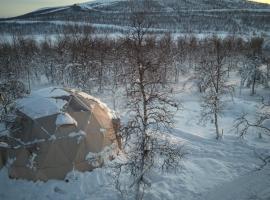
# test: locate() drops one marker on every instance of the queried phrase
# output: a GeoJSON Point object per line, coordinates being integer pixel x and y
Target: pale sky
{"type": "Point", "coordinates": [10, 8]}
{"type": "Point", "coordinates": [262, 1]}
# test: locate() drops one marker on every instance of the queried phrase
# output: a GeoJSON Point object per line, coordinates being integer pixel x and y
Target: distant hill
{"type": "Point", "coordinates": [236, 16]}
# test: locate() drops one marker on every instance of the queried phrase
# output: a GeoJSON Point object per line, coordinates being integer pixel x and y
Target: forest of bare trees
{"type": "Point", "coordinates": [62, 59]}
{"type": "Point", "coordinates": [78, 58]}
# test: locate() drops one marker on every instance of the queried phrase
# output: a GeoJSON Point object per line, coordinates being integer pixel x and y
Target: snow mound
{"type": "Point", "coordinates": [244, 188]}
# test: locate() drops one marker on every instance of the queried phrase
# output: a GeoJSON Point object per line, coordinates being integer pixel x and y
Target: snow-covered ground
{"type": "Point", "coordinates": [120, 31]}
{"type": "Point", "coordinates": [212, 170]}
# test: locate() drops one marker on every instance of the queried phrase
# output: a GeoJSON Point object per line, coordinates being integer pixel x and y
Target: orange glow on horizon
{"type": "Point", "coordinates": [261, 1]}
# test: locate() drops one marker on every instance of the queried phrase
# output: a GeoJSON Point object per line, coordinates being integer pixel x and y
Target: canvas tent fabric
{"type": "Point", "coordinates": [58, 129]}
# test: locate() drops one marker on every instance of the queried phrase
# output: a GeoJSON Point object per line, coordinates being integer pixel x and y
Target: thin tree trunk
{"type": "Point", "coordinates": [268, 70]}
{"type": "Point", "coordinates": [253, 85]}
{"type": "Point", "coordinates": [100, 76]}
{"type": "Point", "coordinates": [216, 125]}
{"type": "Point", "coordinates": [29, 81]}
{"type": "Point", "coordinates": [145, 120]}
{"type": "Point", "coordinates": [267, 75]}
{"type": "Point", "coordinates": [176, 78]}
{"type": "Point", "coordinates": [138, 191]}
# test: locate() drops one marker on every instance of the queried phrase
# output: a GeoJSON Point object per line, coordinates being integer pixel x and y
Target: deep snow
{"type": "Point", "coordinates": [223, 170]}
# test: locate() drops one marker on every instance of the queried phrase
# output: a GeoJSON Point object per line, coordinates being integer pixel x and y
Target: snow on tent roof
{"type": "Point", "coordinates": [65, 119]}
{"type": "Point", "coordinates": [42, 103]}
{"type": "Point", "coordinates": [51, 92]}
{"type": "Point", "coordinates": [110, 113]}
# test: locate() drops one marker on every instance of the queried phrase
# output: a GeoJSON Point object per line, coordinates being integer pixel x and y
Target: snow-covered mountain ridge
{"type": "Point", "coordinates": [173, 15]}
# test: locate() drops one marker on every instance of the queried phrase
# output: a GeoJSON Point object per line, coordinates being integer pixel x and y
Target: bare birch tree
{"type": "Point", "coordinates": [217, 86]}
{"type": "Point", "coordinates": [260, 124]}
{"type": "Point", "coordinates": [151, 109]}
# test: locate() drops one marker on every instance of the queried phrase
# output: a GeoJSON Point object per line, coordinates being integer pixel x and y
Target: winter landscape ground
{"type": "Point", "coordinates": [191, 93]}
{"type": "Point", "coordinates": [226, 169]}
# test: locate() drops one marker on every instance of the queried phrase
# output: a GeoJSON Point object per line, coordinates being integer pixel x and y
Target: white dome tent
{"type": "Point", "coordinates": [56, 129]}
